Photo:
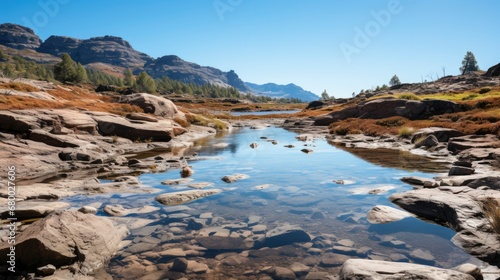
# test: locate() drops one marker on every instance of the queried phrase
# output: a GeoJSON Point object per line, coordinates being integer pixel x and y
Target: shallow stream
{"type": "Point", "coordinates": [301, 189]}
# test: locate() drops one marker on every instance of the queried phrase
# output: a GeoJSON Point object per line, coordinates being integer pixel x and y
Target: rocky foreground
{"type": "Point", "coordinates": [65, 152]}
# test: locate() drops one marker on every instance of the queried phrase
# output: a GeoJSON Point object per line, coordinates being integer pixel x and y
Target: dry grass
{"type": "Point", "coordinates": [19, 87]}
{"type": "Point", "coordinates": [75, 97]}
{"type": "Point", "coordinates": [492, 212]}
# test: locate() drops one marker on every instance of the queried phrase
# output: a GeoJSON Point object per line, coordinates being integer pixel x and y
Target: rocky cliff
{"type": "Point", "coordinates": [108, 49]}
{"type": "Point", "coordinates": [18, 37]}
{"type": "Point", "coordinates": [176, 68]}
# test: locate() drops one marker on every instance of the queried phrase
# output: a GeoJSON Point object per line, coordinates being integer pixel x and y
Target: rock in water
{"type": "Point", "coordinates": [186, 171]}
{"type": "Point", "coordinates": [371, 269]}
{"type": "Point", "coordinates": [235, 177]}
{"type": "Point", "coordinates": [65, 238]}
{"type": "Point", "coordinates": [381, 214]}
{"type": "Point", "coordinates": [285, 235]}
{"type": "Point", "coordinates": [178, 198]}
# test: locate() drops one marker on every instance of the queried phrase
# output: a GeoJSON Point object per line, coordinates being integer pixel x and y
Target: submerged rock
{"type": "Point", "coordinates": [372, 269]}
{"type": "Point", "coordinates": [285, 235]}
{"type": "Point", "coordinates": [177, 198]}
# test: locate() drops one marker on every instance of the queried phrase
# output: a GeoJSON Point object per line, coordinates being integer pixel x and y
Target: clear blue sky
{"type": "Point", "coordinates": [342, 46]}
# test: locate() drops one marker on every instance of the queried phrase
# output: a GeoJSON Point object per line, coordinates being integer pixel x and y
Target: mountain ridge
{"type": "Point", "coordinates": [117, 52]}
{"type": "Point", "coordinates": [282, 91]}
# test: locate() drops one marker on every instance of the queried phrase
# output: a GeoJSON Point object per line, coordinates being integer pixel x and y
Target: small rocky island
{"type": "Point", "coordinates": [63, 143]}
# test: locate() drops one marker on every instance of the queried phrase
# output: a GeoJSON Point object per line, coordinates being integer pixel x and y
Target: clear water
{"type": "Point", "coordinates": [262, 113]}
{"type": "Point", "coordinates": [300, 184]}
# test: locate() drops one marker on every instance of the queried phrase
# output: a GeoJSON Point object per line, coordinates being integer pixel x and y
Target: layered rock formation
{"type": "Point", "coordinates": [18, 37]}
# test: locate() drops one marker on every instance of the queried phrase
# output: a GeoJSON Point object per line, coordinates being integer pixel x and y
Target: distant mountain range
{"type": "Point", "coordinates": [282, 91]}
{"type": "Point", "coordinates": [115, 55]}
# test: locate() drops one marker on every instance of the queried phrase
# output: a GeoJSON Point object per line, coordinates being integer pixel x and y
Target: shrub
{"type": "Point", "coordinates": [392, 122]}
{"type": "Point", "coordinates": [340, 130]}
{"type": "Point", "coordinates": [484, 90]}
{"type": "Point", "coordinates": [409, 96]}
{"type": "Point", "coordinates": [406, 132]}
{"type": "Point", "coordinates": [470, 97]}
{"type": "Point", "coordinates": [492, 211]}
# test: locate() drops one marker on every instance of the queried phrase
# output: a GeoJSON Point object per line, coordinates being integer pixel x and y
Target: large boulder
{"type": "Point", "coordinates": [153, 104]}
{"type": "Point", "coordinates": [18, 37]}
{"type": "Point", "coordinates": [460, 208]}
{"type": "Point", "coordinates": [493, 71]}
{"type": "Point", "coordinates": [111, 125]}
{"type": "Point", "coordinates": [65, 238]}
{"type": "Point", "coordinates": [361, 269]}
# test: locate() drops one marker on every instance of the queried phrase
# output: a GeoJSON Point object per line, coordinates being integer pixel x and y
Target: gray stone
{"type": "Point", "coordinates": [428, 142]}
{"type": "Point", "coordinates": [282, 273]}
{"type": "Point", "coordinates": [472, 270]}
{"type": "Point", "coordinates": [460, 171]}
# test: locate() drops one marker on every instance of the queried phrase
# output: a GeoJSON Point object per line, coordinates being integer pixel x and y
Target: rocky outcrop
{"type": "Point", "coordinates": [110, 125]}
{"type": "Point", "coordinates": [385, 108]}
{"type": "Point", "coordinates": [462, 209]}
{"type": "Point", "coordinates": [18, 37]}
{"type": "Point", "coordinates": [153, 104]}
{"type": "Point", "coordinates": [175, 68]}
{"type": "Point", "coordinates": [108, 49]}
{"type": "Point", "coordinates": [65, 238]}
{"type": "Point", "coordinates": [493, 71]}
{"type": "Point", "coordinates": [459, 144]}
{"type": "Point", "coordinates": [177, 198]}
{"type": "Point", "coordinates": [57, 45]}
{"type": "Point", "coordinates": [374, 269]}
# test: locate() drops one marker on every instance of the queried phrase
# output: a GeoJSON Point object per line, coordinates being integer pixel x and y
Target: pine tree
{"type": "Point", "coordinates": [129, 78]}
{"type": "Point", "coordinates": [394, 81]}
{"type": "Point", "coordinates": [469, 63]}
{"type": "Point", "coordinates": [81, 74]}
{"type": "Point", "coordinates": [145, 83]}
{"type": "Point", "coordinates": [325, 96]}
{"type": "Point", "coordinates": [65, 71]}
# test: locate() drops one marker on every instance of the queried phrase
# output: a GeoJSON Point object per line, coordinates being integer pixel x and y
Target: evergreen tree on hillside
{"type": "Point", "coordinates": [81, 74]}
{"type": "Point", "coordinates": [325, 96]}
{"type": "Point", "coordinates": [145, 83]}
{"type": "Point", "coordinates": [65, 71]}
{"type": "Point", "coordinates": [394, 81]}
{"type": "Point", "coordinates": [129, 78]}
{"type": "Point", "coordinates": [469, 63]}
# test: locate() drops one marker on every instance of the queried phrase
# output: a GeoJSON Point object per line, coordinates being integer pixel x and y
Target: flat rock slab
{"type": "Point", "coordinates": [381, 214]}
{"type": "Point", "coordinates": [32, 209]}
{"type": "Point", "coordinates": [372, 269]}
{"type": "Point", "coordinates": [178, 198]}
